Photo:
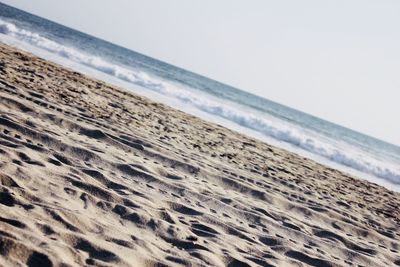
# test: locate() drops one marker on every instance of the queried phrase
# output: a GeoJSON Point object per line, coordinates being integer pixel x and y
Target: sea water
{"type": "Point", "coordinates": [350, 151]}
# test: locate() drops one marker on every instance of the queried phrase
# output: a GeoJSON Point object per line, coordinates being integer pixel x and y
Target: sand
{"type": "Point", "coordinates": [91, 174]}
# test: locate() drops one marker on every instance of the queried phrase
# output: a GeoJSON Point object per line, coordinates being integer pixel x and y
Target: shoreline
{"type": "Point", "coordinates": [93, 174]}
{"type": "Point", "coordinates": [345, 159]}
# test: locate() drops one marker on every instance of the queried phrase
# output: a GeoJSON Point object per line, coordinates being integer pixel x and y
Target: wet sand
{"type": "Point", "coordinates": [91, 174]}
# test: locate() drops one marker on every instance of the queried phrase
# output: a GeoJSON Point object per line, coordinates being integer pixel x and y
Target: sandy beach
{"type": "Point", "coordinates": [93, 175]}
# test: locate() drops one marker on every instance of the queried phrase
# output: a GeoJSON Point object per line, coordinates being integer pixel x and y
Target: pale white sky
{"type": "Point", "coordinates": [338, 60]}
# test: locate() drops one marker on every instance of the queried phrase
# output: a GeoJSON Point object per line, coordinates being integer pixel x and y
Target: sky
{"type": "Point", "coordinates": [338, 60]}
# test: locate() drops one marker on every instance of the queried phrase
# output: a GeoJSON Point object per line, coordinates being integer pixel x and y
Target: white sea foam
{"type": "Point", "coordinates": [346, 156]}
{"type": "Point", "coordinates": [72, 54]}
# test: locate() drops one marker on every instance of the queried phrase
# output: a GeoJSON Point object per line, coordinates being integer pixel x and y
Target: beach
{"type": "Point", "coordinates": [92, 174]}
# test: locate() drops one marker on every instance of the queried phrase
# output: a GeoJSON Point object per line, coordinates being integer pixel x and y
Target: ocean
{"type": "Point", "coordinates": [330, 144]}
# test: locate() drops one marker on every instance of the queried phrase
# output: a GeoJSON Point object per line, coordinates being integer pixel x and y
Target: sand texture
{"type": "Point", "coordinates": [93, 175]}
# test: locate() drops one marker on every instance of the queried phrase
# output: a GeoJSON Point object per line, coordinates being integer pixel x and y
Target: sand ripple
{"type": "Point", "coordinates": [93, 175]}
